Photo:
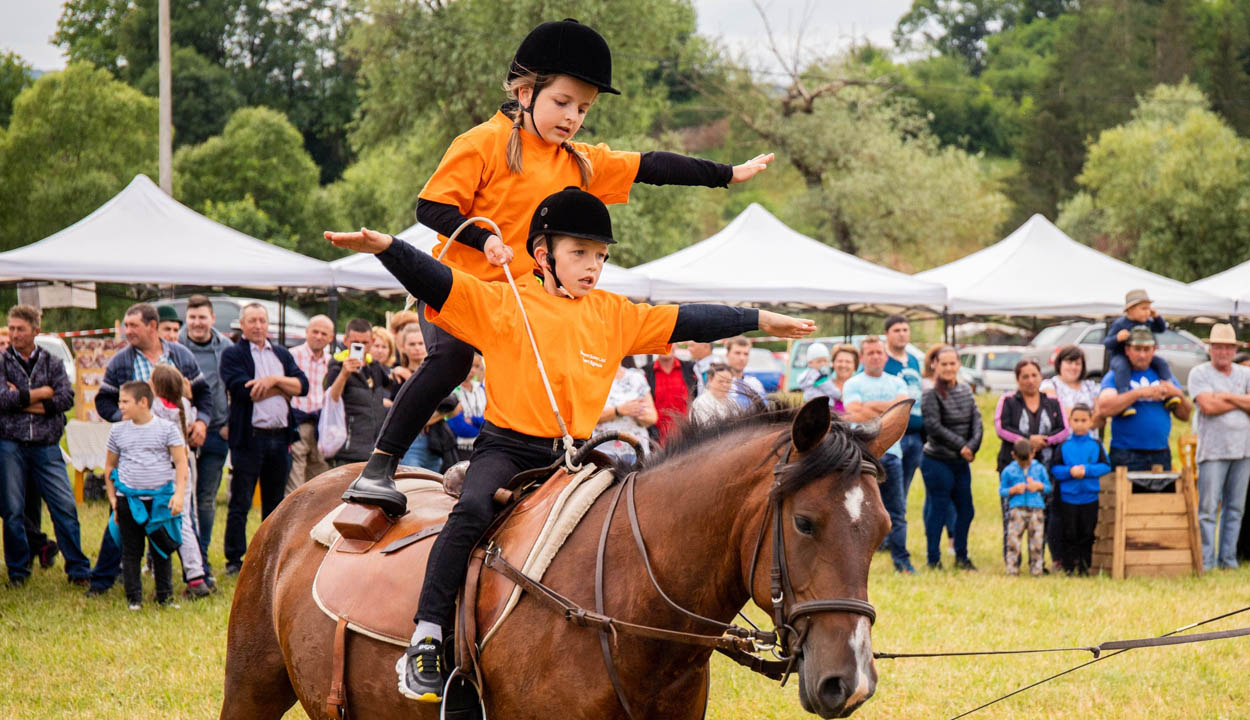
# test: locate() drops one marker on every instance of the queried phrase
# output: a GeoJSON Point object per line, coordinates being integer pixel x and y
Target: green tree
{"type": "Point", "coordinates": [76, 138]}
{"type": "Point", "coordinates": [1170, 185]}
{"type": "Point", "coordinates": [877, 183]}
{"type": "Point", "coordinates": [14, 78]}
{"type": "Point", "coordinates": [244, 216]}
{"type": "Point", "coordinates": [286, 56]}
{"type": "Point", "coordinates": [203, 96]}
{"type": "Point", "coordinates": [960, 28]}
{"type": "Point", "coordinates": [437, 67]}
{"type": "Point", "coordinates": [260, 155]}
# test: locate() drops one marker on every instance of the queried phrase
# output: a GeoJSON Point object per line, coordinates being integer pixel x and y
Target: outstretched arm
{"type": "Point", "coordinates": [707, 323]}
{"type": "Point", "coordinates": [426, 278]}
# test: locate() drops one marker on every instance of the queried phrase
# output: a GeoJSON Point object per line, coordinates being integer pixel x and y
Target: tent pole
{"type": "Point", "coordinates": [282, 316]}
{"type": "Point", "coordinates": [846, 324]}
{"type": "Point", "coordinates": [333, 300]}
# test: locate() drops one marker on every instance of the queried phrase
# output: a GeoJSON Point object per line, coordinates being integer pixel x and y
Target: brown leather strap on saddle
{"type": "Point", "coordinates": [467, 658]}
{"type": "Point", "coordinates": [336, 699]}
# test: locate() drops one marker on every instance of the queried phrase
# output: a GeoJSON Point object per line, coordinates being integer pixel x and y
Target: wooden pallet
{"type": "Point", "coordinates": [1147, 535]}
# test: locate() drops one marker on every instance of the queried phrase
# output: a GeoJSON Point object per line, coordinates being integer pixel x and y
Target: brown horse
{"type": "Point", "coordinates": [701, 504]}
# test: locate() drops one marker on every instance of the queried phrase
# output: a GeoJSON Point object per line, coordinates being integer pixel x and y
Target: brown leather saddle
{"type": "Point", "coordinates": [371, 576]}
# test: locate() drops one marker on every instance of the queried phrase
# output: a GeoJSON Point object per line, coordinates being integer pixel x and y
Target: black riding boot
{"type": "Point", "coordinates": [376, 486]}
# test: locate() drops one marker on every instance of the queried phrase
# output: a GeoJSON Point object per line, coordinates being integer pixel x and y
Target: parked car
{"type": "Point", "coordinates": [762, 366]}
{"type": "Point", "coordinates": [1181, 349]}
{"type": "Point", "coordinates": [993, 367]}
{"type": "Point", "coordinates": [56, 347]}
{"type": "Point", "coordinates": [227, 310]}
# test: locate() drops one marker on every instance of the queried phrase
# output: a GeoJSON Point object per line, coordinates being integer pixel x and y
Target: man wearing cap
{"type": "Point", "coordinates": [1139, 440]}
{"type": "Point", "coordinates": [1138, 310]}
{"type": "Point", "coordinates": [1221, 390]}
{"type": "Point", "coordinates": [169, 324]}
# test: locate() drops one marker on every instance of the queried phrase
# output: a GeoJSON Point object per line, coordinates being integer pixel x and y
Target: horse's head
{"type": "Point", "coordinates": [831, 522]}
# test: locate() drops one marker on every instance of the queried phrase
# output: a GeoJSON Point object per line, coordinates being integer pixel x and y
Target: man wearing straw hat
{"type": "Point", "coordinates": [1221, 390]}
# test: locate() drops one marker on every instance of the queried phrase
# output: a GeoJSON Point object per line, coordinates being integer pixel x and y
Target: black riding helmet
{"type": "Point", "coordinates": [566, 47]}
{"type": "Point", "coordinates": [573, 212]}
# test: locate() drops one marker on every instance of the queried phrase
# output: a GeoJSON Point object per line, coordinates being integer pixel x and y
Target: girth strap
{"type": "Point", "coordinates": [336, 699]}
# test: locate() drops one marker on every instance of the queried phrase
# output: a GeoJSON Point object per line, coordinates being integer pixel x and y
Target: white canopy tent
{"type": "Point", "coordinates": [1233, 283]}
{"type": "Point", "coordinates": [1039, 271]}
{"type": "Point", "coordinates": [364, 272]}
{"type": "Point", "coordinates": [142, 235]}
{"type": "Point", "coordinates": [757, 258]}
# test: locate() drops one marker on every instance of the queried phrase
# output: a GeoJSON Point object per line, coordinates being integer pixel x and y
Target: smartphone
{"type": "Point", "coordinates": [357, 352]}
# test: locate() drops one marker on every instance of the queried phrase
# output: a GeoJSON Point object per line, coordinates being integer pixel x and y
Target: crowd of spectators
{"type": "Point", "coordinates": [260, 404]}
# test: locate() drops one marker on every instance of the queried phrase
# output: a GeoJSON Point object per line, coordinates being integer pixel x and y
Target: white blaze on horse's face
{"type": "Point", "coordinates": [854, 502]}
{"type": "Point", "coordinates": [861, 643]}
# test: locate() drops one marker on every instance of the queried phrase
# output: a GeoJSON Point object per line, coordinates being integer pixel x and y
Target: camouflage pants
{"type": "Point", "coordinates": [1019, 521]}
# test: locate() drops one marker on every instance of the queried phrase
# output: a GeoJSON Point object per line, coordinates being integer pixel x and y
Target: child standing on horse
{"type": "Point", "coordinates": [583, 332]}
{"type": "Point", "coordinates": [501, 169]}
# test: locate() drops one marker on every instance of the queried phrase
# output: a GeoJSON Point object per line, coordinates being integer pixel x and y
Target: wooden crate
{"type": "Point", "coordinates": [1147, 535]}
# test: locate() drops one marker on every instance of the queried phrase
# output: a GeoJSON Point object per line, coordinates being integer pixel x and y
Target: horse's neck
{"type": "Point", "coordinates": [701, 519]}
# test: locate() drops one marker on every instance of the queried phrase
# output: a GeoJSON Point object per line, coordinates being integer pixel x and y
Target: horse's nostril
{"type": "Point", "coordinates": [834, 692]}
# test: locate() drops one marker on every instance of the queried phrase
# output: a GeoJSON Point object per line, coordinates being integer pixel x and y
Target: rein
{"type": "Point", "coordinates": [738, 643]}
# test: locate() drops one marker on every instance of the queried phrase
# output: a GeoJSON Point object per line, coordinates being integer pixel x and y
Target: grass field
{"type": "Point", "coordinates": [64, 656]}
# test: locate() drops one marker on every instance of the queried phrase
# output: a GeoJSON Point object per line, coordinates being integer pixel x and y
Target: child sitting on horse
{"type": "Point", "coordinates": [583, 333]}
{"type": "Point", "coordinates": [501, 169]}
{"type": "Point", "coordinates": [150, 456]}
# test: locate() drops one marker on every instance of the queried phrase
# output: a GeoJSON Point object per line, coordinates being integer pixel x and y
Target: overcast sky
{"type": "Point", "coordinates": [28, 25]}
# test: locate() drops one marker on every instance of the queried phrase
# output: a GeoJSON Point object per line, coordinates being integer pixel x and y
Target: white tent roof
{"type": "Point", "coordinates": [759, 259]}
{"type": "Point", "coordinates": [1233, 283]}
{"type": "Point", "coordinates": [1038, 270]}
{"type": "Point", "coordinates": [364, 272]}
{"type": "Point", "coordinates": [142, 235]}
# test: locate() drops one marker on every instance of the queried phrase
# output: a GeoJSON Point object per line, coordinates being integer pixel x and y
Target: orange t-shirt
{"type": "Point", "coordinates": [474, 176]}
{"type": "Point", "coordinates": [582, 342]}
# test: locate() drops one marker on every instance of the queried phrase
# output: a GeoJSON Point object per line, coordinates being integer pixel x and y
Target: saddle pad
{"type": "Point", "coordinates": [411, 484]}
{"type": "Point", "coordinates": [567, 509]}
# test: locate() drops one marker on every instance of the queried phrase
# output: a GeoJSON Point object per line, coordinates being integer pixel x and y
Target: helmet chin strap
{"type": "Point", "coordinates": [530, 110]}
{"type": "Point", "coordinates": [551, 265]}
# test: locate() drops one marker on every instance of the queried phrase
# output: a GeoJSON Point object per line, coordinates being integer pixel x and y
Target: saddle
{"type": "Point", "coordinates": [370, 578]}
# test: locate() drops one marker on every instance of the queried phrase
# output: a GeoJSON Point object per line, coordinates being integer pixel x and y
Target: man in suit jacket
{"type": "Point", "coordinates": [260, 378]}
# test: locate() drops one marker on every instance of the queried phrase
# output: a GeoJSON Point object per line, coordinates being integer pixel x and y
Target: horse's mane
{"type": "Point", "coordinates": [844, 449]}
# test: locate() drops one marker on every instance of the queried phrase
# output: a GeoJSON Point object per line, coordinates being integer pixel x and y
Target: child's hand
{"type": "Point", "coordinates": [1016, 489]}
{"type": "Point", "coordinates": [497, 253]}
{"type": "Point", "coordinates": [113, 501]}
{"type": "Point", "coordinates": [1122, 336]}
{"type": "Point", "coordinates": [1034, 486]}
{"type": "Point", "coordinates": [175, 504]}
{"type": "Point", "coordinates": [751, 168]}
{"type": "Point", "coordinates": [1153, 312]}
{"type": "Point", "coordinates": [365, 241]}
{"type": "Point", "coordinates": [784, 325]}
{"type": "Point", "coordinates": [1077, 471]}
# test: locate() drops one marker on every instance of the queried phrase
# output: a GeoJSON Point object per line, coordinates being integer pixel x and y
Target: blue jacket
{"type": "Point", "coordinates": [1079, 450]}
{"type": "Point", "coordinates": [1013, 474]}
{"type": "Point", "coordinates": [20, 426]}
{"type": "Point", "coordinates": [1116, 347]}
{"type": "Point", "coordinates": [121, 370]}
{"type": "Point", "coordinates": [237, 369]}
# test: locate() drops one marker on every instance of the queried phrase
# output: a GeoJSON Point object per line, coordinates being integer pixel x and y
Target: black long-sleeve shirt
{"type": "Point", "coordinates": [430, 281]}
{"type": "Point", "coordinates": [654, 168]}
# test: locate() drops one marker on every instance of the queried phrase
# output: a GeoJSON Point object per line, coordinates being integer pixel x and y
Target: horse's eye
{"type": "Point", "coordinates": [804, 525]}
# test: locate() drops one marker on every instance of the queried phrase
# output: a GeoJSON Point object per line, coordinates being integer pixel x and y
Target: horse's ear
{"type": "Point", "coordinates": [811, 424]}
{"type": "Point", "coordinates": [892, 425]}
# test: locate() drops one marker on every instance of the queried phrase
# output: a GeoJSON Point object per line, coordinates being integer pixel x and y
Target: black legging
{"type": "Point", "coordinates": [446, 365]}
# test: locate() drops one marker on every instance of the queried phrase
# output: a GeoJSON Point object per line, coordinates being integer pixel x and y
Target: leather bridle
{"type": "Point", "coordinates": [739, 643]}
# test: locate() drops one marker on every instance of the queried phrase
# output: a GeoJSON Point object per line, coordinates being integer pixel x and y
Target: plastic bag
{"type": "Point", "coordinates": [331, 428]}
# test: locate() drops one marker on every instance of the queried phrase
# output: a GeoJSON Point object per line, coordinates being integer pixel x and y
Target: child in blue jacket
{"type": "Point", "coordinates": [1077, 467]}
{"type": "Point", "coordinates": [1025, 484]}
